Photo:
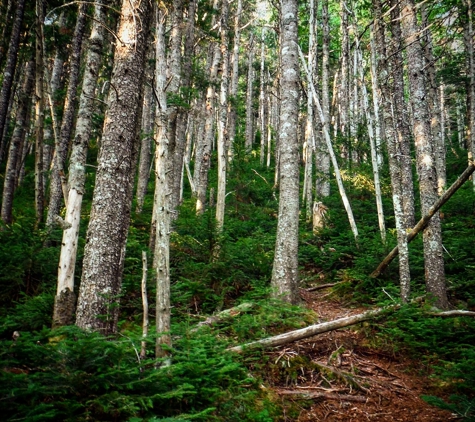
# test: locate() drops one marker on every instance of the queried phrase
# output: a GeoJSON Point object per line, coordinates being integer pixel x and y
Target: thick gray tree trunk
{"type": "Point", "coordinates": [285, 268]}
{"type": "Point", "coordinates": [104, 253]}
{"type": "Point", "coordinates": [65, 300]}
{"type": "Point", "coordinates": [425, 157]}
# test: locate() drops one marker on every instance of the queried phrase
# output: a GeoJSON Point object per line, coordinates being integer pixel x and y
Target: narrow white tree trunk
{"type": "Point", "coordinates": [223, 116]}
{"type": "Point", "coordinates": [249, 110]}
{"type": "Point", "coordinates": [162, 199]}
{"type": "Point", "coordinates": [65, 298]}
{"type": "Point", "coordinates": [326, 134]}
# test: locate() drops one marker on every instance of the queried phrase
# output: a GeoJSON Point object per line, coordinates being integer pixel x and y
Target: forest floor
{"type": "Point", "coordinates": [343, 375]}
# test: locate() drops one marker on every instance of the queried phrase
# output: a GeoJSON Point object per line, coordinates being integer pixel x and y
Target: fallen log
{"type": "Point", "coordinates": [311, 395]}
{"type": "Point", "coordinates": [312, 330]}
{"type": "Point", "coordinates": [454, 313]}
{"type": "Point", "coordinates": [425, 219]}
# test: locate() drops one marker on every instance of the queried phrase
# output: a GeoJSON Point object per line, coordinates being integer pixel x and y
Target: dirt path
{"type": "Point", "coordinates": [338, 376]}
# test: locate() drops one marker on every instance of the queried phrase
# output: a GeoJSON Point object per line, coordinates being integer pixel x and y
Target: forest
{"type": "Point", "coordinates": [237, 210]}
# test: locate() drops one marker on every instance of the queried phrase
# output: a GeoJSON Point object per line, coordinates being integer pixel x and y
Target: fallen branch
{"type": "Point", "coordinates": [312, 330]}
{"type": "Point", "coordinates": [324, 286]}
{"type": "Point", "coordinates": [453, 313]}
{"type": "Point", "coordinates": [227, 313]}
{"type": "Point", "coordinates": [426, 218]}
{"type": "Point", "coordinates": [310, 395]}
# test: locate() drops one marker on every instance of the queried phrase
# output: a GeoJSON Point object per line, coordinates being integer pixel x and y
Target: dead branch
{"type": "Point", "coordinates": [425, 219]}
{"type": "Point", "coordinates": [324, 286]}
{"type": "Point", "coordinates": [453, 313]}
{"type": "Point", "coordinates": [312, 330]}
{"type": "Point", "coordinates": [227, 313]}
{"type": "Point", "coordinates": [311, 395]}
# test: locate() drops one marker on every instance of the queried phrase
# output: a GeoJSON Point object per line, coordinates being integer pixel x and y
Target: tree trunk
{"type": "Point", "coordinates": [326, 134]}
{"type": "Point", "coordinates": [162, 205]}
{"type": "Point", "coordinates": [426, 218]}
{"type": "Point", "coordinates": [322, 188]}
{"type": "Point", "coordinates": [39, 114]}
{"type": "Point", "coordinates": [285, 269]}
{"type": "Point", "coordinates": [222, 119]}
{"type": "Point", "coordinates": [58, 185]}
{"type": "Point", "coordinates": [401, 117]}
{"type": "Point", "coordinates": [262, 102]}
{"type": "Point", "coordinates": [65, 300]}
{"type": "Point", "coordinates": [10, 67]}
{"type": "Point", "coordinates": [233, 89]}
{"type": "Point", "coordinates": [148, 113]}
{"type": "Point", "coordinates": [14, 153]}
{"type": "Point", "coordinates": [249, 140]}
{"type": "Point", "coordinates": [434, 104]}
{"type": "Point", "coordinates": [110, 212]}
{"type": "Point", "coordinates": [468, 38]}
{"type": "Point", "coordinates": [386, 94]}
{"type": "Point", "coordinates": [432, 236]}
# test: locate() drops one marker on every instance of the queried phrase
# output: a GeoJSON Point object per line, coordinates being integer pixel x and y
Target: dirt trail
{"type": "Point", "coordinates": [345, 379]}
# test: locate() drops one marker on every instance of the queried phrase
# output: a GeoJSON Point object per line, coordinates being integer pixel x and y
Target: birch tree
{"type": "Point", "coordinates": [104, 253]}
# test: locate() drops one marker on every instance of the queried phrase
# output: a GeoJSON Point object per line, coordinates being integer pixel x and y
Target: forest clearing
{"type": "Point", "coordinates": [237, 210]}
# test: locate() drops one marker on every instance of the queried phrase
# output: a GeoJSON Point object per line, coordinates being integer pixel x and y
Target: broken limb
{"type": "Point", "coordinates": [425, 219]}
{"type": "Point", "coordinates": [312, 330]}
{"type": "Point", "coordinates": [310, 395]}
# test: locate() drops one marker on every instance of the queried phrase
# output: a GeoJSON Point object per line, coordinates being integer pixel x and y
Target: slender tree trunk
{"type": "Point", "coordinates": [401, 116]}
{"type": "Point", "coordinates": [112, 200]}
{"type": "Point", "coordinates": [468, 36]}
{"type": "Point", "coordinates": [434, 104]}
{"type": "Point", "coordinates": [374, 155]}
{"type": "Point", "coordinates": [223, 117]}
{"type": "Point", "coordinates": [203, 144]}
{"type": "Point", "coordinates": [145, 159]}
{"type": "Point", "coordinates": [14, 153]}
{"type": "Point", "coordinates": [65, 300]}
{"type": "Point", "coordinates": [322, 155]}
{"type": "Point", "coordinates": [10, 67]}
{"type": "Point", "coordinates": [285, 269]}
{"type": "Point", "coordinates": [39, 114]}
{"type": "Point", "coordinates": [58, 186]}
{"type": "Point", "coordinates": [432, 236]}
{"type": "Point", "coordinates": [175, 118]}
{"type": "Point", "coordinates": [326, 134]}
{"type": "Point", "coordinates": [382, 64]}
{"type": "Point", "coordinates": [162, 204]}
{"type": "Point", "coordinates": [344, 92]}
{"type": "Point", "coordinates": [233, 89]}
{"type": "Point", "coordinates": [262, 101]}
{"type": "Point", "coordinates": [249, 109]}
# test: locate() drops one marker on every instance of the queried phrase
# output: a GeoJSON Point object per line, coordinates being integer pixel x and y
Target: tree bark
{"type": "Point", "coordinates": [14, 153]}
{"type": "Point", "coordinates": [39, 114]}
{"type": "Point", "coordinates": [10, 67]}
{"type": "Point", "coordinates": [110, 212]}
{"type": "Point", "coordinates": [162, 205]}
{"type": "Point", "coordinates": [311, 330]}
{"type": "Point", "coordinates": [249, 139]}
{"type": "Point", "coordinates": [432, 236]}
{"type": "Point", "coordinates": [58, 185]}
{"type": "Point", "coordinates": [285, 269]}
{"type": "Point", "coordinates": [426, 218]}
{"type": "Point", "coordinates": [65, 300]}
{"type": "Point", "coordinates": [386, 94]}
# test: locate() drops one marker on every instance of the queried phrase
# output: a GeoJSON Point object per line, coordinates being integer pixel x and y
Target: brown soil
{"type": "Point", "coordinates": [341, 376]}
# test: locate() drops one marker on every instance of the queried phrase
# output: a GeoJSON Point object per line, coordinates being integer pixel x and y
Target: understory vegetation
{"type": "Point", "coordinates": [70, 375]}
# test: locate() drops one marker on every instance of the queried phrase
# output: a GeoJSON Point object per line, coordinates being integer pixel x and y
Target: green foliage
{"type": "Point", "coordinates": [71, 375]}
